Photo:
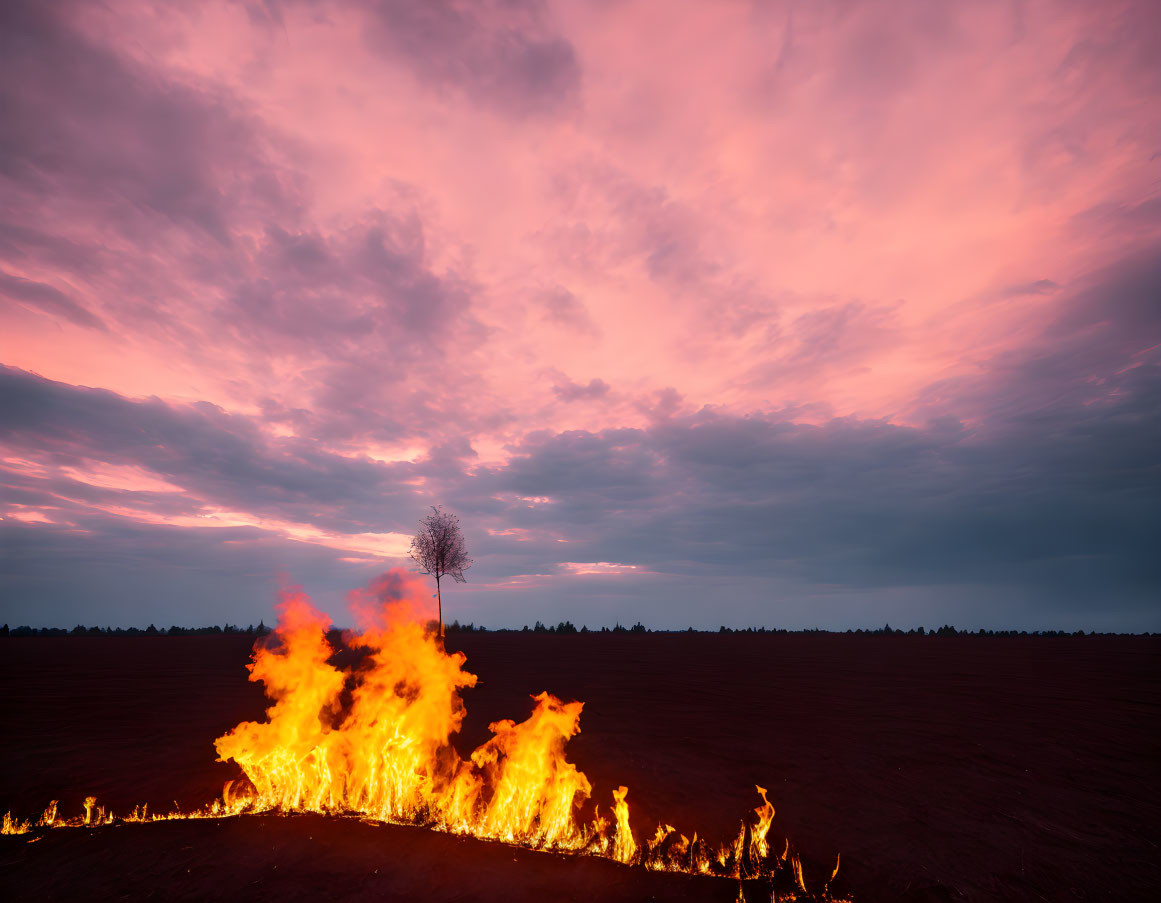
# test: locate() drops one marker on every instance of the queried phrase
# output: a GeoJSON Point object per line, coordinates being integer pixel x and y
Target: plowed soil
{"type": "Point", "coordinates": [939, 768]}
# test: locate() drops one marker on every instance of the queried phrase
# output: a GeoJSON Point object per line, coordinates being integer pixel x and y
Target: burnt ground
{"type": "Point", "coordinates": [941, 768]}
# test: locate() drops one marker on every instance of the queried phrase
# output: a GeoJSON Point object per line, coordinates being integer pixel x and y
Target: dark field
{"type": "Point", "coordinates": [940, 768]}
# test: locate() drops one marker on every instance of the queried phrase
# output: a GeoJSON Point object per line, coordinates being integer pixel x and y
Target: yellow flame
{"type": "Point", "coordinates": [374, 741]}
{"type": "Point", "coordinates": [12, 825]}
{"type": "Point", "coordinates": [624, 847]}
{"type": "Point", "coordinates": [765, 814]}
{"type": "Point", "coordinates": [796, 867]}
{"type": "Point", "coordinates": [388, 756]}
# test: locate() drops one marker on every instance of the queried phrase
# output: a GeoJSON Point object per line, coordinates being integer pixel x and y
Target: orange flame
{"type": "Point", "coordinates": [388, 755]}
{"type": "Point", "coordinates": [375, 741]}
{"type": "Point", "coordinates": [624, 847]}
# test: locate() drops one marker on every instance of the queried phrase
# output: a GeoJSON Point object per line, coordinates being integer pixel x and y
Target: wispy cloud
{"type": "Point", "coordinates": [773, 307]}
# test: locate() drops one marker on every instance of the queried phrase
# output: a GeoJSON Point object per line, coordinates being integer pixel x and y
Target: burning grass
{"type": "Point", "coordinates": [374, 741]}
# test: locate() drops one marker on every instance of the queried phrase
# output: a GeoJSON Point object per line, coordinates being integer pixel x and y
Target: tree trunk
{"type": "Point", "coordinates": [439, 603]}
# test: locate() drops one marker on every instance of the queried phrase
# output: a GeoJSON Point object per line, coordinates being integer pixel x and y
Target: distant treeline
{"type": "Point", "coordinates": [82, 630]}
{"type": "Point", "coordinates": [564, 627]}
{"type": "Point", "coordinates": [886, 629]}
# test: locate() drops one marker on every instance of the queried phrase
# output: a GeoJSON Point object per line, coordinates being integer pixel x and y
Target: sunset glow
{"type": "Point", "coordinates": [839, 312]}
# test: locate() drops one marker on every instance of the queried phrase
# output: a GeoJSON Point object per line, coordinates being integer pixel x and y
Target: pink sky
{"type": "Point", "coordinates": [427, 238]}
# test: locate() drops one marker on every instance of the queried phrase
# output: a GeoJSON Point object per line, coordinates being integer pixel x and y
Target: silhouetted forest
{"type": "Point", "coordinates": [564, 627]}
{"type": "Point", "coordinates": [151, 630]}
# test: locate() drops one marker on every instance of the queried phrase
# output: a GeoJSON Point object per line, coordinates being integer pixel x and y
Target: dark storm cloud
{"type": "Point", "coordinates": [223, 458]}
{"type": "Point", "coordinates": [1044, 500]}
{"type": "Point", "coordinates": [1066, 504]}
{"type": "Point", "coordinates": [1117, 313]}
{"type": "Point", "coordinates": [1054, 491]}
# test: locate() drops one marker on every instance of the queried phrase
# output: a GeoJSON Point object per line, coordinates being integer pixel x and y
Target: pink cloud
{"type": "Point", "coordinates": [714, 192]}
{"type": "Point", "coordinates": [330, 262]}
{"type": "Point", "coordinates": [603, 568]}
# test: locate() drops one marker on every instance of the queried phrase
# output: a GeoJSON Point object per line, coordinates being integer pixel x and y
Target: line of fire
{"type": "Point", "coordinates": [373, 741]}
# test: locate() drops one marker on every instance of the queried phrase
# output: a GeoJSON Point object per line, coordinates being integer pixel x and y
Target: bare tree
{"type": "Point", "coordinates": [438, 549]}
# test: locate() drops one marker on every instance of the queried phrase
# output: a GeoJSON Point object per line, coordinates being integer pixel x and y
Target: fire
{"type": "Point", "coordinates": [624, 847]}
{"type": "Point", "coordinates": [374, 740]}
{"type": "Point", "coordinates": [535, 788]}
{"type": "Point", "coordinates": [387, 754]}
{"type": "Point", "coordinates": [14, 826]}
